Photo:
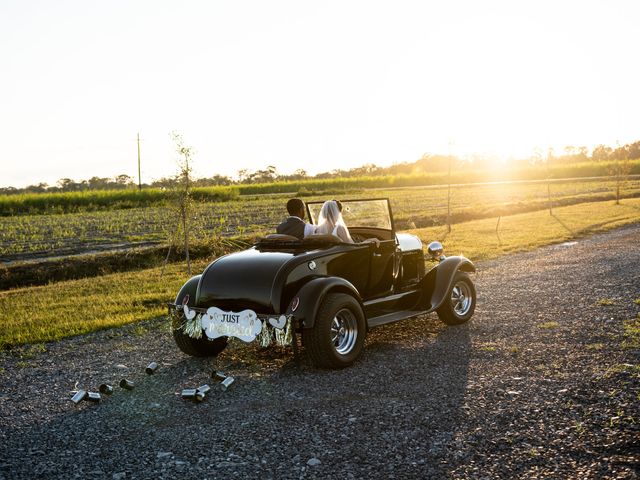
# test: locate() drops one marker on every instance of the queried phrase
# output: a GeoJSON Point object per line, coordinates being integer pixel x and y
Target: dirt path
{"type": "Point", "coordinates": [538, 384]}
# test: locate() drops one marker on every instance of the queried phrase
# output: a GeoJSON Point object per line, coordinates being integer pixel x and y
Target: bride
{"type": "Point", "coordinates": [330, 221]}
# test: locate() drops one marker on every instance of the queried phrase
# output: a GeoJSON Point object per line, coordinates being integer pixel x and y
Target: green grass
{"type": "Point", "coordinates": [74, 307]}
{"type": "Point", "coordinates": [632, 333]}
{"type": "Point", "coordinates": [32, 351]}
{"type": "Point", "coordinates": [605, 302]}
{"type": "Point", "coordinates": [63, 309]}
{"type": "Point", "coordinates": [91, 200]}
{"type": "Point", "coordinates": [488, 347]}
{"type": "Point", "coordinates": [548, 325]}
{"type": "Point", "coordinates": [63, 234]}
{"type": "Point", "coordinates": [478, 239]}
{"type": "Point", "coordinates": [629, 368]}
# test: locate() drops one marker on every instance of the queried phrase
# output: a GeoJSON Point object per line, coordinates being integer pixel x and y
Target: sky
{"type": "Point", "coordinates": [306, 84]}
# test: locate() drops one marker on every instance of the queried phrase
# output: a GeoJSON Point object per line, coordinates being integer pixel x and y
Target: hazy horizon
{"type": "Point", "coordinates": [306, 85]}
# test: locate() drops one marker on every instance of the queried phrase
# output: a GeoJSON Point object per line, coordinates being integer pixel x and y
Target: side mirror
{"type": "Point", "coordinates": [436, 251]}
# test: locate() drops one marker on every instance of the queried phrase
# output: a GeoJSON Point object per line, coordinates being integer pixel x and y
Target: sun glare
{"type": "Point", "coordinates": [323, 86]}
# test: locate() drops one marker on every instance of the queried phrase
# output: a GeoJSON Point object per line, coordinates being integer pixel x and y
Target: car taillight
{"type": "Point", "coordinates": [185, 299]}
{"type": "Point", "coordinates": [294, 304]}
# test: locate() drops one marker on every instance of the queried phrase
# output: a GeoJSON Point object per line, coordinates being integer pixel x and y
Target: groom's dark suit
{"type": "Point", "coordinates": [292, 226]}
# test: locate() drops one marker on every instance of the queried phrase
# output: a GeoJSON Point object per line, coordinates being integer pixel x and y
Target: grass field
{"type": "Point", "coordinates": [93, 200]}
{"type": "Point", "coordinates": [55, 311]}
{"type": "Point", "coordinates": [88, 201]}
{"type": "Point", "coordinates": [62, 234]}
{"type": "Point", "coordinates": [479, 240]}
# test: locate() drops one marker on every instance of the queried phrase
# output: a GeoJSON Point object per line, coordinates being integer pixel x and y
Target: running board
{"type": "Point", "coordinates": [399, 302]}
{"type": "Point", "coordinates": [393, 317]}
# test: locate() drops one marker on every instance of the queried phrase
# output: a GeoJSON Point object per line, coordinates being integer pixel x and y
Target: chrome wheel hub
{"type": "Point", "coordinates": [461, 299]}
{"type": "Point", "coordinates": [344, 331]}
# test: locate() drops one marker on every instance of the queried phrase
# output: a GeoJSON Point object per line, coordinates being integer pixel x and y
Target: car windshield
{"type": "Point", "coordinates": [359, 213]}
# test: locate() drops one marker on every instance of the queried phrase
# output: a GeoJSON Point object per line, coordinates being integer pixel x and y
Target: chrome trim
{"type": "Point", "coordinates": [461, 299]}
{"type": "Point", "coordinates": [436, 251]}
{"type": "Point", "coordinates": [344, 331]}
{"type": "Point", "coordinates": [408, 242]}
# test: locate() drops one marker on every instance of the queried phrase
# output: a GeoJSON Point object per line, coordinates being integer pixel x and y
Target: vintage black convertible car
{"type": "Point", "coordinates": [329, 291]}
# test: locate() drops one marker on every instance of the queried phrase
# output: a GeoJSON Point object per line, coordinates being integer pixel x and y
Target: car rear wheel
{"type": "Point", "coordinates": [460, 303]}
{"type": "Point", "coordinates": [196, 347]}
{"type": "Point", "coordinates": [199, 347]}
{"type": "Point", "coordinates": [337, 336]}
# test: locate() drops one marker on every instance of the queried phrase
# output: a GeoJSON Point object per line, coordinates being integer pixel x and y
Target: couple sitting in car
{"type": "Point", "coordinates": [330, 222]}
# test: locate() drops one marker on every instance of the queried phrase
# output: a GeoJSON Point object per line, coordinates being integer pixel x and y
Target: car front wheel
{"type": "Point", "coordinates": [337, 336]}
{"type": "Point", "coordinates": [460, 303]}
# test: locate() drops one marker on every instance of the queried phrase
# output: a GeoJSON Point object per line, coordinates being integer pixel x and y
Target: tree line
{"type": "Point", "coordinates": [428, 163]}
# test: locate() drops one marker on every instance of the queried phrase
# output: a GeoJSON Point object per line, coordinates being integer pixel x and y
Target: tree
{"type": "Point", "coordinates": [633, 150]}
{"type": "Point", "coordinates": [620, 169]}
{"type": "Point", "coordinates": [215, 180]}
{"type": "Point", "coordinates": [243, 175]}
{"type": "Point", "coordinates": [67, 185]}
{"type": "Point", "coordinates": [267, 175]}
{"type": "Point", "coordinates": [218, 179]}
{"type": "Point", "coordinates": [601, 153]}
{"type": "Point", "coordinates": [299, 174]}
{"type": "Point", "coordinates": [548, 162]}
{"type": "Point", "coordinates": [434, 163]}
{"type": "Point", "coordinates": [124, 180]}
{"type": "Point", "coordinates": [165, 183]}
{"type": "Point", "coordinates": [569, 151]}
{"type": "Point", "coordinates": [182, 191]}
{"type": "Point", "coordinates": [97, 183]}
{"type": "Point", "coordinates": [583, 153]}
{"type": "Point", "coordinates": [39, 188]}
{"type": "Point", "coordinates": [537, 156]}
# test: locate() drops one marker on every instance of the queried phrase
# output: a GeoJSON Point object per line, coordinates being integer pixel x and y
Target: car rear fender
{"type": "Point", "coordinates": [313, 292]}
{"type": "Point", "coordinates": [189, 288]}
{"type": "Point", "coordinates": [436, 284]}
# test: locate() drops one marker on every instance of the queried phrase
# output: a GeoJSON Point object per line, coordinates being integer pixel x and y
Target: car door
{"type": "Point", "coordinates": [383, 268]}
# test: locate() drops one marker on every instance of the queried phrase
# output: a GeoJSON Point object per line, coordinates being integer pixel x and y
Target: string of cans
{"type": "Point", "coordinates": [197, 394]}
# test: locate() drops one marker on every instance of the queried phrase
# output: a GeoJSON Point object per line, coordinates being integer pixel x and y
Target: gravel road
{"type": "Point", "coordinates": [538, 385]}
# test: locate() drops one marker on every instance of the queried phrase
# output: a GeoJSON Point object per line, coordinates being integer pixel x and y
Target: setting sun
{"type": "Point", "coordinates": [294, 84]}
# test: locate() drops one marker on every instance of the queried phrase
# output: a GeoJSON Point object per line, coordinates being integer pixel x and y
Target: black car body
{"type": "Point", "coordinates": [330, 291]}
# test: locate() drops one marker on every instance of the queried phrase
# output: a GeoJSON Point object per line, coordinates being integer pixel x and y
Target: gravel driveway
{"type": "Point", "coordinates": [538, 384]}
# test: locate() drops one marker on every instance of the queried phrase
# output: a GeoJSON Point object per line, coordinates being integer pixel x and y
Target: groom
{"type": "Point", "coordinates": [295, 225]}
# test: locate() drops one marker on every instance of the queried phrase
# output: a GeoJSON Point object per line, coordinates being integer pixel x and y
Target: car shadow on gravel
{"type": "Point", "coordinates": [443, 382]}
{"type": "Point", "coordinates": [405, 394]}
{"type": "Point", "coordinates": [420, 375]}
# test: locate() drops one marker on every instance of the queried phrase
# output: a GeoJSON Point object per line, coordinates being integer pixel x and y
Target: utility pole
{"type": "Point", "coordinates": [139, 176]}
{"type": "Point", "coordinates": [549, 157]}
{"type": "Point", "coordinates": [449, 191]}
